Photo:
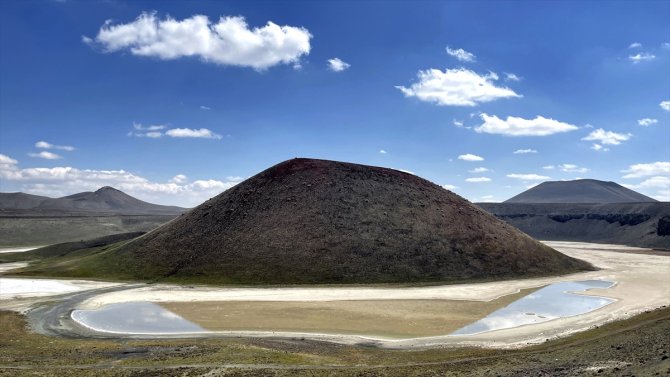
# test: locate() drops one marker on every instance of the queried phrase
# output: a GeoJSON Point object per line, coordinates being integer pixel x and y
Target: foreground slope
{"type": "Point", "coordinates": [579, 191]}
{"type": "Point", "coordinates": [315, 221]}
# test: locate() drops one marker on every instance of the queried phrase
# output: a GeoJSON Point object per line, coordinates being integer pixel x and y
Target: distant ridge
{"type": "Point", "coordinates": [579, 191]}
{"type": "Point", "coordinates": [104, 200]}
{"type": "Point", "coordinates": [307, 221]}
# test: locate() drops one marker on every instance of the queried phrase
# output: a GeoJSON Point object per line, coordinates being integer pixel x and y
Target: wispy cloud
{"type": "Point", "coordinates": [478, 180]}
{"type": "Point", "coordinates": [599, 148]}
{"type": "Point", "coordinates": [46, 145]}
{"type": "Point", "coordinates": [607, 137]}
{"type": "Point", "coordinates": [572, 168]}
{"type": "Point", "coordinates": [203, 107]}
{"type": "Point", "coordinates": [337, 65]}
{"type": "Point", "coordinates": [511, 77]}
{"type": "Point", "coordinates": [45, 155]}
{"type": "Point", "coordinates": [528, 177]}
{"type": "Point", "coordinates": [470, 157]}
{"type": "Point", "coordinates": [381, 151]}
{"type": "Point", "coordinates": [461, 54]}
{"type": "Point", "coordinates": [515, 126]}
{"type": "Point", "coordinates": [456, 87]}
{"type": "Point", "coordinates": [635, 45]}
{"type": "Point", "coordinates": [229, 41]}
{"type": "Point", "coordinates": [524, 151]}
{"type": "Point", "coordinates": [641, 57]}
{"type": "Point", "coordinates": [665, 105]}
{"type": "Point", "coordinates": [478, 170]}
{"type": "Point", "coordinates": [449, 187]}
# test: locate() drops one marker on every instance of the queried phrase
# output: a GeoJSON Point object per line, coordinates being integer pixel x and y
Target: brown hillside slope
{"type": "Point", "coordinates": [308, 221]}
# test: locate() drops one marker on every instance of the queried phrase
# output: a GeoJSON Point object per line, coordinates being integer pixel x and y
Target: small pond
{"type": "Point", "coordinates": [135, 318]}
{"type": "Point", "coordinates": [551, 302]}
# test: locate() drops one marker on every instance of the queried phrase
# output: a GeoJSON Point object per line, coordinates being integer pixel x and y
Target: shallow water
{"type": "Point", "coordinates": [135, 318]}
{"type": "Point", "coordinates": [551, 302]}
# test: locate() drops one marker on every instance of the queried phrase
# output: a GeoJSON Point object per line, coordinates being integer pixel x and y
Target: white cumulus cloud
{"type": "Point", "coordinates": [461, 54]}
{"type": "Point", "coordinates": [607, 137]}
{"type": "Point", "coordinates": [179, 178]}
{"type": "Point", "coordinates": [665, 105]}
{"type": "Point", "coordinates": [470, 157]}
{"type": "Point", "coordinates": [456, 87]}
{"type": "Point", "coordinates": [516, 126]}
{"type": "Point", "coordinates": [653, 182]}
{"type": "Point", "coordinates": [635, 45]}
{"type": "Point", "coordinates": [528, 177]}
{"type": "Point", "coordinates": [6, 160]}
{"type": "Point", "coordinates": [202, 133]}
{"type": "Point", "coordinates": [648, 169]}
{"type": "Point", "coordinates": [229, 41]}
{"type": "Point", "coordinates": [337, 65]}
{"type": "Point", "coordinates": [647, 122]}
{"type": "Point", "coordinates": [45, 145]}
{"type": "Point", "coordinates": [157, 131]}
{"type": "Point", "coordinates": [381, 151]}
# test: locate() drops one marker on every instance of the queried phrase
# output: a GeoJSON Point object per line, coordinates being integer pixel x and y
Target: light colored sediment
{"type": "Point", "coordinates": [4, 267]}
{"type": "Point", "coordinates": [12, 288]}
{"type": "Point", "coordinates": [17, 249]}
{"type": "Point", "coordinates": [388, 318]}
{"type": "Point", "coordinates": [643, 283]}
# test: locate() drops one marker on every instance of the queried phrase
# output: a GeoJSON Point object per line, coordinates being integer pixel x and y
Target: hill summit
{"type": "Point", "coordinates": [579, 191]}
{"type": "Point", "coordinates": [308, 221]}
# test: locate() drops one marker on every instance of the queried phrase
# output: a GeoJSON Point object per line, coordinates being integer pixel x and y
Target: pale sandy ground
{"type": "Point", "coordinates": [643, 283]}
{"type": "Point", "coordinates": [18, 293]}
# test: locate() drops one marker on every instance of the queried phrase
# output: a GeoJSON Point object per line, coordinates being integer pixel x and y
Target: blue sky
{"type": "Point", "coordinates": [228, 89]}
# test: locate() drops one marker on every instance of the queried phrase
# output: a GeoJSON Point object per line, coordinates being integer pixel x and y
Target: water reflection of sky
{"type": "Point", "coordinates": [135, 318]}
{"type": "Point", "coordinates": [551, 302]}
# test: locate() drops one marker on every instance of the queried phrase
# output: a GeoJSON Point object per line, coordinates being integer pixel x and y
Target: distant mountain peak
{"type": "Point", "coordinates": [579, 191]}
{"type": "Point", "coordinates": [107, 188]}
{"type": "Point", "coordinates": [106, 199]}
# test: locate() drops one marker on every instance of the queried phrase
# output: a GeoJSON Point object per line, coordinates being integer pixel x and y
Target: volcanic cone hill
{"type": "Point", "coordinates": [308, 221]}
{"type": "Point", "coordinates": [580, 191]}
